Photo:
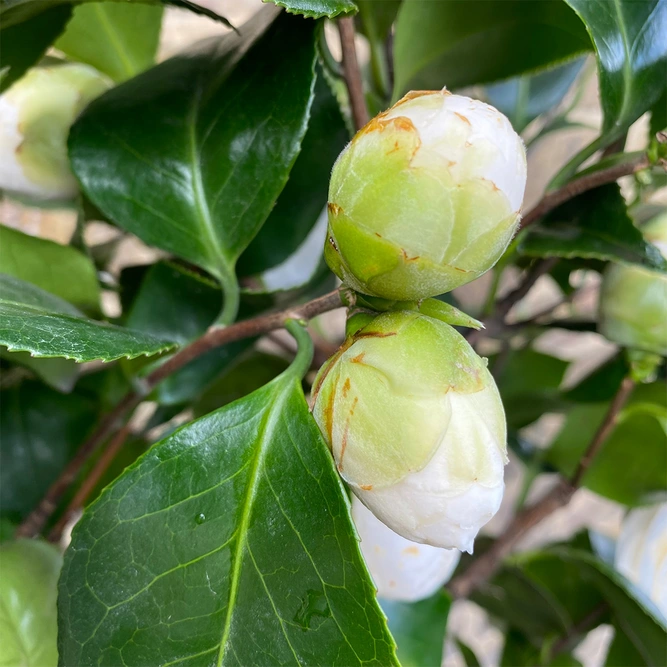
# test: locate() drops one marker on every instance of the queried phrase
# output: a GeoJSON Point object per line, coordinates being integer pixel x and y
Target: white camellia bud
{"type": "Point", "coordinates": [36, 113]}
{"type": "Point", "coordinates": [416, 427]}
{"type": "Point", "coordinates": [426, 197]}
{"type": "Point", "coordinates": [633, 300]}
{"type": "Point", "coordinates": [641, 552]}
{"type": "Point", "coordinates": [402, 570]}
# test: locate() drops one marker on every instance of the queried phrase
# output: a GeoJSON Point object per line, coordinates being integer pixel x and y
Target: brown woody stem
{"type": "Point", "coordinates": [352, 72]}
{"type": "Point", "coordinates": [213, 338]}
{"type": "Point", "coordinates": [482, 569]}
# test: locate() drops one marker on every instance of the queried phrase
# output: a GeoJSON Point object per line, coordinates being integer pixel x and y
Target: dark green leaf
{"type": "Point", "coordinates": [419, 628]}
{"type": "Point", "coordinates": [316, 9]}
{"type": "Point", "coordinates": [622, 652]}
{"type": "Point", "coordinates": [524, 98]}
{"type": "Point", "coordinates": [448, 43]}
{"type": "Point", "coordinates": [191, 155]}
{"type": "Point", "coordinates": [28, 626]}
{"type": "Point", "coordinates": [35, 321]}
{"type": "Point", "coordinates": [629, 39]}
{"type": "Point", "coordinates": [595, 224]}
{"type": "Point", "coordinates": [22, 45]}
{"type": "Point", "coordinates": [528, 382]}
{"type": "Point", "coordinates": [178, 305]}
{"type": "Point", "coordinates": [377, 17]}
{"type": "Point", "coordinates": [659, 115]}
{"type": "Point", "coordinates": [518, 651]}
{"type": "Point", "coordinates": [41, 429]}
{"type": "Point", "coordinates": [15, 12]}
{"type": "Point", "coordinates": [61, 374]}
{"type": "Point", "coordinates": [304, 198]}
{"type": "Point", "coordinates": [469, 657]}
{"type": "Point", "coordinates": [244, 377]}
{"type": "Point", "coordinates": [58, 269]}
{"type": "Point", "coordinates": [647, 634]}
{"type": "Point", "coordinates": [240, 535]}
{"type": "Point", "coordinates": [119, 40]}
{"type": "Point", "coordinates": [632, 464]}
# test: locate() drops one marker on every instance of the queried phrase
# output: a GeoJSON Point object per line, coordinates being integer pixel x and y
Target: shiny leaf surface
{"type": "Point", "coordinates": [191, 155]}
{"type": "Point", "coordinates": [257, 562]}
{"type": "Point", "coordinates": [35, 321]}
{"type": "Point", "coordinates": [631, 48]}
{"type": "Point", "coordinates": [117, 39]}
{"type": "Point", "coordinates": [593, 225]}
{"type": "Point", "coordinates": [447, 43]}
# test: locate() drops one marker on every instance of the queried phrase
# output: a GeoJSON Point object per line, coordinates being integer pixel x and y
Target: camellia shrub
{"type": "Point", "coordinates": [200, 467]}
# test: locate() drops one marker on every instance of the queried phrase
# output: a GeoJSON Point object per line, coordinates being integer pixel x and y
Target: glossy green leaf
{"type": "Point", "coordinates": [117, 39]}
{"type": "Point", "coordinates": [316, 9]}
{"type": "Point", "coordinates": [41, 429]}
{"type": "Point", "coordinates": [242, 551]}
{"type": "Point", "coordinates": [524, 98]}
{"type": "Point", "coordinates": [596, 225]}
{"type": "Point", "coordinates": [602, 383]}
{"type": "Point", "coordinates": [15, 12]}
{"type": "Point", "coordinates": [22, 45]}
{"type": "Point", "coordinates": [175, 304]}
{"type": "Point", "coordinates": [632, 465]}
{"type": "Point", "coordinates": [622, 652]}
{"type": "Point", "coordinates": [659, 116]}
{"type": "Point", "coordinates": [28, 626]}
{"type": "Point", "coordinates": [378, 14]}
{"type": "Point", "coordinates": [528, 382]}
{"type": "Point", "coordinates": [35, 321]}
{"type": "Point", "coordinates": [518, 651]}
{"type": "Point", "coordinates": [419, 628]}
{"type": "Point", "coordinates": [58, 269]}
{"type": "Point", "coordinates": [305, 196]}
{"type": "Point", "coordinates": [61, 374]}
{"type": "Point", "coordinates": [191, 155]}
{"type": "Point", "coordinates": [244, 377]}
{"type": "Point", "coordinates": [448, 43]}
{"type": "Point", "coordinates": [631, 48]}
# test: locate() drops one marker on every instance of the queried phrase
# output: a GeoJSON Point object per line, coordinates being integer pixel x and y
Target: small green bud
{"type": "Point", "coordinates": [425, 198]}
{"type": "Point", "coordinates": [416, 427]}
{"type": "Point", "coordinates": [35, 116]}
{"type": "Point", "coordinates": [633, 300]}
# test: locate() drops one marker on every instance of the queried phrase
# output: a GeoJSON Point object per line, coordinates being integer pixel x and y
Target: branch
{"type": "Point", "coordinates": [482, 569]}
{"type": "Point", "coordinates": [213, 338]}
{"type": "Point", "coordinates": [353, 80]}
{"type": "Point", "coordinates": [552, 200]}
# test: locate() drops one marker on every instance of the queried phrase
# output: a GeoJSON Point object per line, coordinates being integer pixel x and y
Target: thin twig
{"type": "Point", "coordinates": [353, 80]}
{"type": "Point", "coordinates": [90, 482]}
{"type": "Point", "coordinates": [587, 623]}
{"type": "Point", "coordinates": [213, 338]}
{"type": "Point", "coordinates": [482, 569]}
{"type": "Point", "coordinates": [578, 186]}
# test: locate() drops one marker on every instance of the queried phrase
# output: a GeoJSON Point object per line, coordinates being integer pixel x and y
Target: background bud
{"type": "Point", "coordinates": [402, 570]}
{"type": "Point", "coordinates": [633, 300]}
{"type": "Point", "coordinates": [641, 552]}
{"type": "Point", "coordinates": [426, 197]}
{"type": "Point", "coordinates": [416, 427]}
{"type": "Point", "coordinates": [35, 116]}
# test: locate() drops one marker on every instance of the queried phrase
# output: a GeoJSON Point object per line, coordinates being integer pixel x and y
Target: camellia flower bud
{"type": "Point", "coordinates": [641, 552]}
{"type": "Point", "coordinates": [633, 300]}
{"type": "Point", "coordinates": [416, 427]}
{"type": "Point", "coordinates": [401, 569]}
{"type": "Point", "coordinates": [36, 113]}
{"type": "Point", "coordinates": [425, 198]}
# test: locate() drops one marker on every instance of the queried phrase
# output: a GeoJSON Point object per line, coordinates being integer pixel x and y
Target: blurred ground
{"type": "Point", "coordinates": [585, 351]}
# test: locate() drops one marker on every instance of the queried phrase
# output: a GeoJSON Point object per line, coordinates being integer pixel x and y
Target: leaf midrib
{"type": "Point", "coordinates": [213, 249]}
{"type": "Point", "coordinates": [267, 427]}
{"type": "Point", "coordinates": [115, 40]}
